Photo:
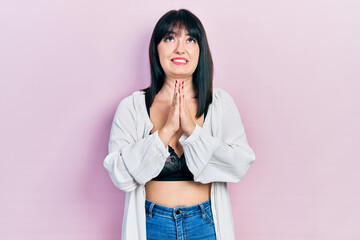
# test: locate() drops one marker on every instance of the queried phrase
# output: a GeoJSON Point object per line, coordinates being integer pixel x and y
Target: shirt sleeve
{"type": "Point", "coordinates": [219, 159]}
{"type": "Point", "coordinates": [130, 162]}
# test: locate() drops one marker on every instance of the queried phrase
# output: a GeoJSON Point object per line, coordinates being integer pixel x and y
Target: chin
{"type": "Point", "coordinates": [182, 73]}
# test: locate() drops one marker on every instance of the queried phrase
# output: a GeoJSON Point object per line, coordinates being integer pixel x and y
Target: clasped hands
{"type": "Point", "coordinates": [179, 115]}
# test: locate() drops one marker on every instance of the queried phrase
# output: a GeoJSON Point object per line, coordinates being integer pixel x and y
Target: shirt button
{"type": "Point", "coordinates": [178, 212]}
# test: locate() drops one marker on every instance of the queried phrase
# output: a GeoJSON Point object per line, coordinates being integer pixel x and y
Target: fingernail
{"type": "Point", "coordinates": [176, 81]}
{"type": "Point", "coordinates": [183, 87]}
{"type": "Point", "coordinates": [183, 82]}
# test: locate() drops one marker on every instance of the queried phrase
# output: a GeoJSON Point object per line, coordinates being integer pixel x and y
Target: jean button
{"type": "Point", "coordinates": [178, 212]}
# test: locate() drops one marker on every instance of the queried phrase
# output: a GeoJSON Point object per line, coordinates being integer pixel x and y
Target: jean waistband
{"type": "Point", "coordinates": [154, 208]}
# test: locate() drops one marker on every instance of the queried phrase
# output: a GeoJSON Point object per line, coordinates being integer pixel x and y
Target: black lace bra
{"type": "Point", "coordinates": [175, 169]}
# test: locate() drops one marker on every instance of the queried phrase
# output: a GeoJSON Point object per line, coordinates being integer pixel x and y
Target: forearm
{"type": "Point", "coordinates": [165, 134]}
{"type": "Point", "coordinates": [211, 159]}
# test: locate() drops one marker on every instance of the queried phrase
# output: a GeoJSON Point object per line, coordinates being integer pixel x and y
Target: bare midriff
{"type": "Point", "coordinates": [177, 193]}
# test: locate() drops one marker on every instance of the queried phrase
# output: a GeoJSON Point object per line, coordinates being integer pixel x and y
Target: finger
{"type": "Point", "coordinates": [183, 96]}
{"type": "Point", "coordinates": [176, 93]}
{"type": "Point", "coordinates": [184, 102]}
{"type": "Point", "coordinates": [180, 103]}
{"type": "Point", "coordinates": [174, 96]}
{"type": "Point", "coordinates": [181, 93]}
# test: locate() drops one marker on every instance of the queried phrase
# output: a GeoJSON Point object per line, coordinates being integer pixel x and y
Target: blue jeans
{"type": "Point", "coordinates": [180, 223]}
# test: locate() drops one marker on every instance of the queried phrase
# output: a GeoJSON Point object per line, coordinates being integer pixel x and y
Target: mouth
{"type": "Point", "coordinates": [179, 60]}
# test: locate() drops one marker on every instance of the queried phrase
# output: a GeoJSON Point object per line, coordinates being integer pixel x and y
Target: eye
{"type": "Point", "coordinates": [168, 39]}
{"type": "Point", "coordinates": [193, 40]}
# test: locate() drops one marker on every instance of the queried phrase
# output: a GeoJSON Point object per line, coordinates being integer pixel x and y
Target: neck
{"type": "Point", "coordinates": [169, 85]}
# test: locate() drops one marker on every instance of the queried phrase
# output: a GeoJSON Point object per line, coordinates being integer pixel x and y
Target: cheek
{"type": "Point", "coordinates": [163, 52]}
{"type": "Point", "coordinates": [160, 51]}
{"type": "Point", "coordinates": [196, 52]}
{"type": "Point", "coordinates": [196, 55]}
{"type": "Point", "coordinates": [160, 48]}
{"type": "Point", "coordinates": [161, 55]}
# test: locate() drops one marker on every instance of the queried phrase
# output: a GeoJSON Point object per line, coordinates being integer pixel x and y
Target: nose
{"type": "Point", "coordinates": [180, 48]}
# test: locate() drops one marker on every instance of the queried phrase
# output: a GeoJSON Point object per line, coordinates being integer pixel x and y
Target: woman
{"type": "Point", "coordinates": [179, 114]}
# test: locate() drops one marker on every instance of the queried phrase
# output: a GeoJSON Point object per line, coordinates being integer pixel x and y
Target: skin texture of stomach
{"type": "Point", "coordinates": [177, 193]}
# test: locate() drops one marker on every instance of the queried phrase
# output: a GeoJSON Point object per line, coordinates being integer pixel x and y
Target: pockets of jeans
{"type": "Point", "coordinates": [149, 218]}
{"type": "Point", "coordinates": [209, 217]}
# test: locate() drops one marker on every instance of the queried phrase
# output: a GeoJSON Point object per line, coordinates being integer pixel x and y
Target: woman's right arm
{"type": "Point", "coordinates": [131, 162]}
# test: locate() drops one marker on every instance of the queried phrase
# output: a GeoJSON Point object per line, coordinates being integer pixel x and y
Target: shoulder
{"type": "Point", "coordinates": [222, 101]}
{"type": "Point", "coordinates": [131, 102]}
{"type": "Point", "coordinates": [132, 99]}
{"type": "Point", "coordinates": [221, 96]}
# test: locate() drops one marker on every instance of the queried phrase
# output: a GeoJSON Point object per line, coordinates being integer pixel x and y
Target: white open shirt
{"type": "Point", "coordinates": [215, 153]}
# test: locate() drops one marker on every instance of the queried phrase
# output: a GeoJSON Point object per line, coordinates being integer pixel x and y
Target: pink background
{"type": "Point", "coordinates": [293, 68]}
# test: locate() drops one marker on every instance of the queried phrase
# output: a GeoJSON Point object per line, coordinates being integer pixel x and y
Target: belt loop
{"type": "Point", "coordinates": [203, 214]}
{"type": "Point", "coordinates": [150, 209]}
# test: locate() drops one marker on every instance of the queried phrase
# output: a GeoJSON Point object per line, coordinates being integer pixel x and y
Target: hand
{"type": "Point", "coordinates": [187, 122]}
{"type": "Point", "coordinates": [173, 121]}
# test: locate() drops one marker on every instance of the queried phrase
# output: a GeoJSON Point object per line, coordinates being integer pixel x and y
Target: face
{"type": "Point", "coordinates": [178, 54]}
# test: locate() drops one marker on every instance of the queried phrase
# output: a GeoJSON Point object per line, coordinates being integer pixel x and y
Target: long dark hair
{"type": "Point", "coordinates": [203, 74]}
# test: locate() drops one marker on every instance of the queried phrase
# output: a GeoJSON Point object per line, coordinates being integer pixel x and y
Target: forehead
{"type": "Point", "coordinates": [178, 30]}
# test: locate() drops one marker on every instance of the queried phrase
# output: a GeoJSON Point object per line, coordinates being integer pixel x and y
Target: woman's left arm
{"type": "Point", "coordinates": [219, 159]}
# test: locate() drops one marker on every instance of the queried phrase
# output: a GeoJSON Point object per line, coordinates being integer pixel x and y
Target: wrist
{"type": "Point", "coordinates": [165, 135]}
{"type": "Point", "coordinates": [168, 130]}
{"type": "Point", "coordinates": [191, 130]}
